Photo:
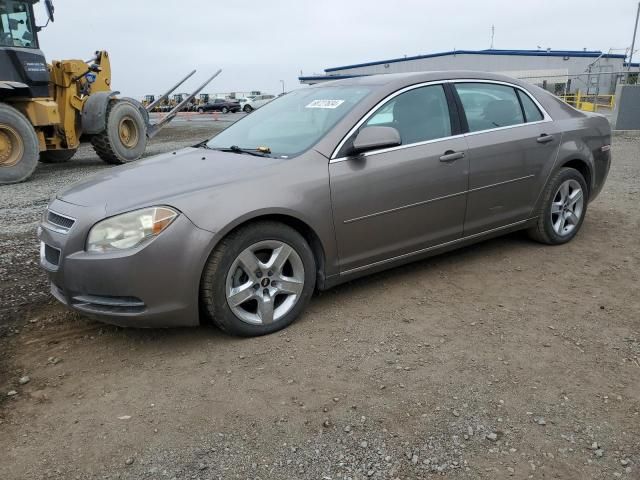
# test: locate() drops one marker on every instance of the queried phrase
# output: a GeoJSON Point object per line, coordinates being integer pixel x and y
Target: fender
{"type": "Point", "coordinates": [94, 112]}
{"type": "Point", "coordinates": [567, 154]}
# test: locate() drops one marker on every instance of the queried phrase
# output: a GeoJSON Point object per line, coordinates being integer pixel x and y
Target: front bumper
{"type": "Point", "coordinates": [153, 285]}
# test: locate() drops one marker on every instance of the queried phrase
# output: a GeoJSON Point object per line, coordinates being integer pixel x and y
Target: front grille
{"type": "Point", "coordinates": [60, 221]}
{"type": "Point", "coordinates": [52, 255]}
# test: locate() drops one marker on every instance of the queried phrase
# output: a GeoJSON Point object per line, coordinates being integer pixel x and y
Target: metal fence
{"type": "Point", "coordinates": [588, 91]}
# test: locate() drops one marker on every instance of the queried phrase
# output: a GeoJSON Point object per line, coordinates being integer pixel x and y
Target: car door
{"type": "Point", "coordinates": [508, 152]}
{"type": "Point", "coordinates": [397, 201]}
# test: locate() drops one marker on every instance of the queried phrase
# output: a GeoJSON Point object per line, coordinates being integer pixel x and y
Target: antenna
{"type": "Point", "coordinates": [493, 32]}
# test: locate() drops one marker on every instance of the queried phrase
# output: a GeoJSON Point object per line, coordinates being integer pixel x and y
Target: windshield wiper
{"type": "Point", "coordinates": [258, 152]}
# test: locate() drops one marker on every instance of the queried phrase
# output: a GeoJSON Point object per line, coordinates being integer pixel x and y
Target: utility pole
{"type": "Point", "coordinates": [493, 31]}
{"type": "Point", "coordinates": [633, 41]}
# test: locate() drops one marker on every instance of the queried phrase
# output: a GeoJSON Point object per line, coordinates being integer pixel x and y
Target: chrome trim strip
{"type": "Point", "coordinates": [424, 250]}
{"type": "Point", "coordinates": [497, 129]}
{"type": "Point", "coordinates": [411, 205]}
{"type": "Point", "coordinates": [545, 114]}
{"type": "Point", "coordinates": [500, 183]}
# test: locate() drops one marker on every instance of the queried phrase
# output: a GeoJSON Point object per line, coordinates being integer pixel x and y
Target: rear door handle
{"type": "Point", "coordinates": [544, 138]}
{"type": "Point", "coordinates": [450, 156]}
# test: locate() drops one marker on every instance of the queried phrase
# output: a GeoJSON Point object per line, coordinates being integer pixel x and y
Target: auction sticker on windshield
{"type": "Point", "coordinates": [325, 104]}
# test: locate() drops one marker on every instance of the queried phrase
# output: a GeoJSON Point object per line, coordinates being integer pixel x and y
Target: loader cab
{"type": "Point", "coordinates": [17, 25]}
{"type": "Point", "coordinates": [22, 64]}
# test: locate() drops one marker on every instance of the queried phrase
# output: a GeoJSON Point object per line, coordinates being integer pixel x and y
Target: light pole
{"type": "Point", "coordinates": [282, 82]}
{"type": "Point", "coordinates": [633, 41]}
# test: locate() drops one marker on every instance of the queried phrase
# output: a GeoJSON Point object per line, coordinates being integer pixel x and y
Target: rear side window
{"type": "Point", "coordinates": [531, 111]}
{"type": "Point", "coordinates": [488, 105]}
{"type": "Point", "coordinates": [419, 115]}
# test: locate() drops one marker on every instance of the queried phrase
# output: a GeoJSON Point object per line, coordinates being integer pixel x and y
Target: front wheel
{"type": "Point", "coordinates": [225, 110]}
{"type": "Point", "coordinates": [201, 110]}
{"type": "Point", "coordinates": [563, 208]}
{"type": "Point", "coordinates": [247, 109]}
{"type": "Point", "coordinates": [124, 138]}
{"type": "Point", "coordinates": [19, 147]}
{"type": "Point", "coordinates": [258, 279]}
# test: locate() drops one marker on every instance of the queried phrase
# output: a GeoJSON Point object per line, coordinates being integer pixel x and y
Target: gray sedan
{"type": "Point", "coordinates": [318, 187]}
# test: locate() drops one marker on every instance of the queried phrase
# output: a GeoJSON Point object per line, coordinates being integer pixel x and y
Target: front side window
{"type": "Point", "coordinates": [293, 123]}
{"type": "Point", "coordinates": [419, 115]}
{"type": "Point", "coordinates": [16, 25]}
{"type": "Point", "coordinates": [489, 105]}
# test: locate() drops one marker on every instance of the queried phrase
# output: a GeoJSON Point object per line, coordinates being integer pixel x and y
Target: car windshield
{"type": "Point", "coordinates": [291, 124]}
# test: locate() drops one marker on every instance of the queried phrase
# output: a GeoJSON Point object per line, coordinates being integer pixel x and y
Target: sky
{"type": "Point", "coordinates": [258, 44]}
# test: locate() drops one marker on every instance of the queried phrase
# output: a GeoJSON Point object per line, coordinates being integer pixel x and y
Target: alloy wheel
{"type": "Point", "coordinates": [264, 282]}
{"type": "Point", "coordinates": [567, 207]}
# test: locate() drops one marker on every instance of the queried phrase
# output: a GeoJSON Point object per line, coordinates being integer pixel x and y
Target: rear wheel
{"type": "Point", "coordinates": [57, 156]}
{"type": "Point", "coordinates": [258, 279]}
{"type": "Point", "coordinates": [124, 138]}
{"type": "Point", "coordinates": [225, 110]}
{"type": "Point", "coordinates": [564, 205]}
{"type": "Point", "coordinates": [19, 147]}
{"type": "Point", "coordinates": [201, 110]}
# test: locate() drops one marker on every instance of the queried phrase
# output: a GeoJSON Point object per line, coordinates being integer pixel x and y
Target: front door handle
{"type": "Point", "coordinates": [450, 156]}
{"type": "Point", "coordinates": [544, 138]}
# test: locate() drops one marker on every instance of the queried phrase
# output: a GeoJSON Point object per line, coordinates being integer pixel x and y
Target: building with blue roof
{"type": "Point", "coordinates": [560, 71]}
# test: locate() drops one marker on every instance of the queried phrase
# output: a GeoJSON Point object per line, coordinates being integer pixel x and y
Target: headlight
{"type": "Point", "coordinates": [129, 229]}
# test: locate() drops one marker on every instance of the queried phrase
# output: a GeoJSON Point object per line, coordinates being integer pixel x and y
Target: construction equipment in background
{"type": "Point", "coordinates": [47, 110]}
{"type": "Point", "coordinates": [148, 99]}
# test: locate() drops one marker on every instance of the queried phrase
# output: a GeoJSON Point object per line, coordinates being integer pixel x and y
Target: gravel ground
{"type": "Point", "coordinates": [507, 359]}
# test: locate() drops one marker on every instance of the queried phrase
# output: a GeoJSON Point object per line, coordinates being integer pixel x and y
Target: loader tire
{"type": "Point", "coordinates": [124, 138]}
{"type": "Point", "coordinates": [19, 146]}
{"type": "Point", "coordinates": [57, 156]}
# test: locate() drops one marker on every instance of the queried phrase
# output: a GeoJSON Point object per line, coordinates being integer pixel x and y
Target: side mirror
{"type": "Point", "coordinates": [373, 138]}
{"type": "Point", "coordinates": [49, 6]}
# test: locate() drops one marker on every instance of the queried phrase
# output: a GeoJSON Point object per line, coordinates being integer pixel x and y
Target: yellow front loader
{"type": "Point", "coordinates": [46, 110]}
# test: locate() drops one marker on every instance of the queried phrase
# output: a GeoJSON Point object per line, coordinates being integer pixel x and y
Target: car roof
{"type": "Point", "coordinates": [402, 79]}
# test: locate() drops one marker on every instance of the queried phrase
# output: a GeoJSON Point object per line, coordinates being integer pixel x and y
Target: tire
{"type": "Point", "coordinates": [201, 110]}
{"type": "Point", "coordinates": [247, 109]}
{"type": "Point", "coordinates": [19, 146]}
{"type": "Point", "coordinates": [225, 110]}
{"type": "Point", "coordinates": [124, 138]}
{"type": "Point", "coordinates": [57, 156]}
{"type": "Point", "coordinates": [555, 212]}
{"type": "Point", "coordinates": [224, 266]}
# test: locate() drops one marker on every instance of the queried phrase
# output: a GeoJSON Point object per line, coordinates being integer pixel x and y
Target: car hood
{"type": "Point", "coordinates": [155, 180]}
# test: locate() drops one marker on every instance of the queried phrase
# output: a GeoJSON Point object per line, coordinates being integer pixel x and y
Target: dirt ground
{"type": "Point", "coordinates": [507, 359]}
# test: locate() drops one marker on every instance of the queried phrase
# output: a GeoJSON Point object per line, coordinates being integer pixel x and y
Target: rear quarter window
{"type": "Point", "coordinates": [531, 112]}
